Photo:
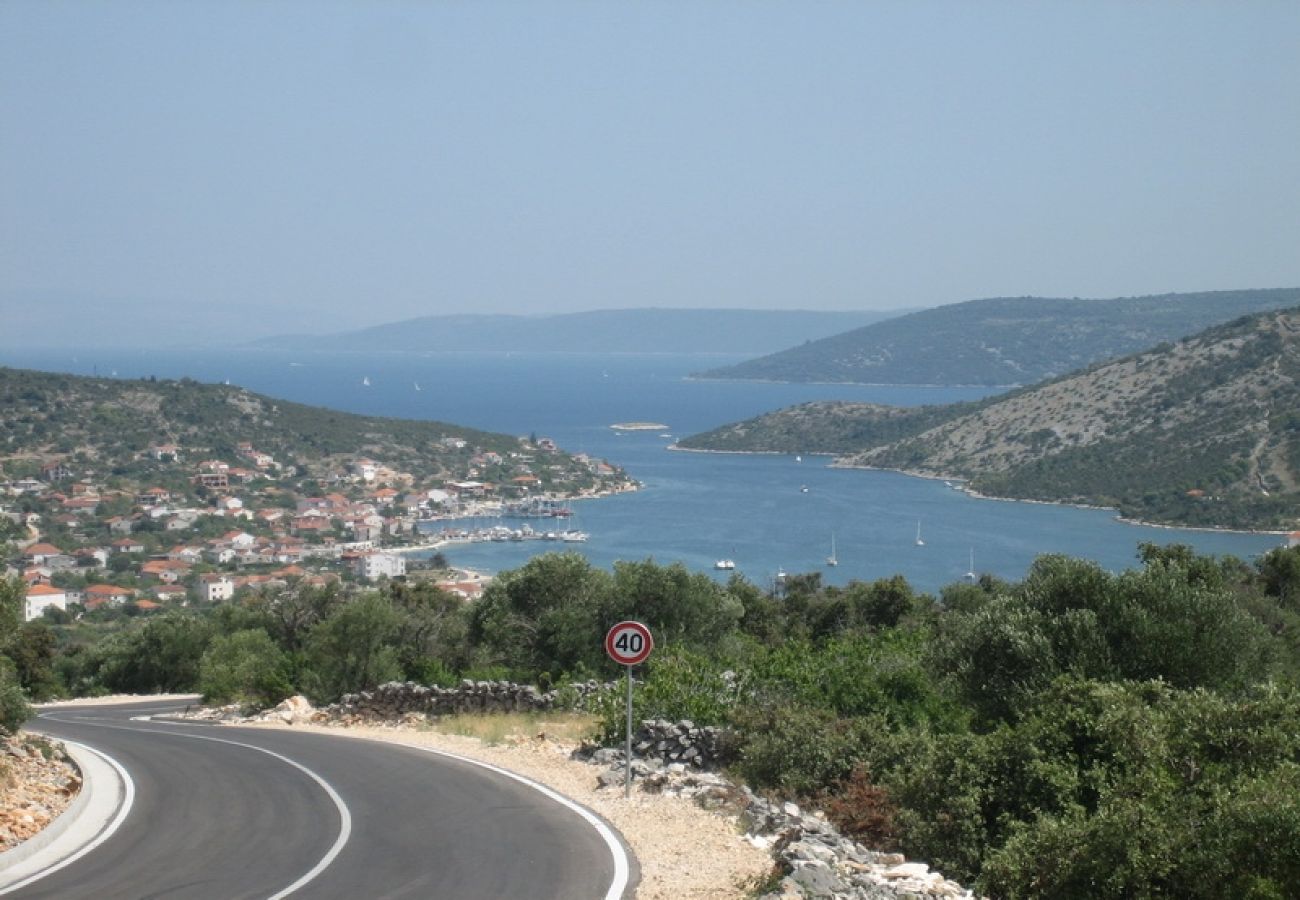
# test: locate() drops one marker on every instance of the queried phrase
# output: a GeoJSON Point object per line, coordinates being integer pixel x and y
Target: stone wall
{"type": "Point", "coordinates": [396, 699]}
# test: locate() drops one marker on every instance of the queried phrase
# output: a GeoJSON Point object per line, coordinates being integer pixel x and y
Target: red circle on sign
{"type": "Point", "coordinates": [629, 643]}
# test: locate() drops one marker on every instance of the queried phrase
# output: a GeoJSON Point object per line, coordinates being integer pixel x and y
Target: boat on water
{"type": "Point", "coordinates": [919, 541]}
{"type": "Point", "coordinates": [832, 560]}
{"type": "Point", "coordinates": [725, 564]}
{"type": "Point", "coordinates": [970, 573]}
{"type": "Point", "coordinates": [573, 537]}
{"type": "Point", "coordinates": [417, 386]}
{"type": "Point", "coordinates": [780, 574]}
{"type": "Point", "coordinates": [803, 488]}
{"type": "Point", "coordinates": [365, 381]}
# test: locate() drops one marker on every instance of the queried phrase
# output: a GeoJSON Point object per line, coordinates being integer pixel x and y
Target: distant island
{"type": "Point", "coordinates": [1002, 341]}
{"type": "Point", "coordinates": [639, 426]}
{"type": "Point", "coordinates": [737, 331]}
{"type": "Point", "coordinates": [1204, 432]}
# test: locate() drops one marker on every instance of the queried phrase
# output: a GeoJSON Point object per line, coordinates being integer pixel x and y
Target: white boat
{"type": "Point", "coordinates": [970, 573]}
{"type": "Point", "coordinates": [803, 488]}
{"type": "Point", "coordinates": [417, 386]}
{"type": "Point", "coordinates": [573, 537]}
{"type": "Point", "coordinates": [727, 564]}
{"type": "Point", "coordinates": [798, 458]}
{"type": "Point", "coordinates": [780, 574]}
{"type": "Point", "coordinates": [832, 560]}
{"type": "Point", "coordinates": [919, 542]}
{"type": "Point", "coordinates": [365, 381]}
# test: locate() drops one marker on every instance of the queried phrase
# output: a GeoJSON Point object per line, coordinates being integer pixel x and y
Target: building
{"type": "Point", "coordinates": [41, 597]}
{"type": "Point", "coordinates": [215, 588]}
{"type": "Point", "coordinates": [373, 565]}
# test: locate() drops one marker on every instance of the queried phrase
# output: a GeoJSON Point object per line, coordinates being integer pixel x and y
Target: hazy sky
{"type": "Point", "coordinates": [312, 166]}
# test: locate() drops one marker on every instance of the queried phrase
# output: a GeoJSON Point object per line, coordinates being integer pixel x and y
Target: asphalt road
{"type": "Point", "coordinates": [221, 813]}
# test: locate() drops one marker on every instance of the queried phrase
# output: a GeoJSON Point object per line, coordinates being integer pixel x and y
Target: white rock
{"type": "Point", "coordinates": [908, 870]}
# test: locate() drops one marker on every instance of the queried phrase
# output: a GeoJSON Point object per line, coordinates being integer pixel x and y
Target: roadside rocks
{"type": "Point", "coordinates": [664, 742]}
{"type": "Point", "coordinates": [817, 861]}
{"type": "Point", "coordinates": [37, 782]}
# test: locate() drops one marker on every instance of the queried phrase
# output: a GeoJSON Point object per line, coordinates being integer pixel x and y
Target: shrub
{"type": "Point", "coordinates": [14, 708]}
{"type": "Point", "coordinates": [244, 666]}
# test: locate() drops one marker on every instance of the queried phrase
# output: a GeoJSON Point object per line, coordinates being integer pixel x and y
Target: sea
{"type": "Point", "coordinates": [769, 514]}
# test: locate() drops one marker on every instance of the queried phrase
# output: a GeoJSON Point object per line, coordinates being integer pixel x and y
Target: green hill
{"type": "Point", "coordinates": [1003, 341]}
{"type": "Point", "coordinates": [109, 424]}
{"type": "Point", "coordinates": [1202, 432]}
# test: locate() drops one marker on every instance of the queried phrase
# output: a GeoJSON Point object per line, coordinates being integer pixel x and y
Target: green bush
{"type": "Point", "coordinates": [245, 666]}
{"type": "Point", "coordinates": [14, 708]}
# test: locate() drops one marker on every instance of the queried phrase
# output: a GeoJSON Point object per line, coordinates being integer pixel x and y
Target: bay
{"type": "Point", "coordinates": [768, 513]}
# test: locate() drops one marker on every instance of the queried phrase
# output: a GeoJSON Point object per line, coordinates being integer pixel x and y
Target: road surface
{"type": "Point", "coordinates": [220, 813]}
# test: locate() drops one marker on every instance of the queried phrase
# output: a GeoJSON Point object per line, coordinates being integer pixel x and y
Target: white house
{"type": "Point", "coordinates": [41, 597]}
{"type": "Point", "coordinates": [215, 588]}
{"type": "Point", "coordinates": [373, 565]}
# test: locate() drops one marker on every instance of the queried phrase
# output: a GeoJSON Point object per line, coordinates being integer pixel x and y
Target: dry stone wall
{"type": "Point", "coordinates": [396, 699]}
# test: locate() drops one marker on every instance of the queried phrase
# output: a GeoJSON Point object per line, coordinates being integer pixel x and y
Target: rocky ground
{"type": "Point", "coordinates": [37, 782]}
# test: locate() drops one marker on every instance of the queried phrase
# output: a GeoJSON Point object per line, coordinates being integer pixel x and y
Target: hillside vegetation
{"type": "Point", "coordinates": [603, 331]}
{"type": "Point", "coordinates": [1004, 341]}
{"type": "Point", "coordinates": [1202, 432]}
{"type": "Point", "coordinates": [112, 421]}
{"type": "Point", "coordinates": [1076, 735]}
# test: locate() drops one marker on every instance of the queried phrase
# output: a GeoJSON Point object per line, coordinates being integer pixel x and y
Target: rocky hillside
{"type": "Point", "coordinates": [1202, 432]}
{"type": "Point", "coordinates": [823, 426]}
{"type": "Point", "coordinates": [1004, 341]}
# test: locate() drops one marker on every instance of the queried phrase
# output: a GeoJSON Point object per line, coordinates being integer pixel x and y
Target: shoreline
{"type": "Point", "coordinates": [960, 483]}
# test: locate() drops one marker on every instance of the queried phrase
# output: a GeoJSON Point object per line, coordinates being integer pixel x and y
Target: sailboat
{"type": "Point", "coordinates": [832, 560]}
{"type": "Point", "coordinates": [970, 573]}
{"type": "Point", "coordinates": [919, 542]}
{"type": "Point", "coordinates": [365, 381]}
{"type": "Point", "coordinates": [417, 386]}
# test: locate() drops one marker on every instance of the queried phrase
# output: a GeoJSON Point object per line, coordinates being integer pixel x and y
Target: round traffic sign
{"type": "Point", "coordinates": [629, 643]}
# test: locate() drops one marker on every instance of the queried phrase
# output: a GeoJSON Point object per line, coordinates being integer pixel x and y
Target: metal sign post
{"type": "Point", "coordinates": [629, 643]}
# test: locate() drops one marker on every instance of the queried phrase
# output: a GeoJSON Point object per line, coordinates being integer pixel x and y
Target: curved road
{"type": "Point", "coordinates": [221, 813]}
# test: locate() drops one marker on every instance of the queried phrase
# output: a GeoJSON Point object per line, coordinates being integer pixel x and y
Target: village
{"type": "Point", "coordinates": [199, 532]}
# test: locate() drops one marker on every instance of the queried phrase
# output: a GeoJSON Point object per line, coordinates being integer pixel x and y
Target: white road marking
{"type": "Point", "coordinates": [622, 866]}
{"type": "Point", "coordinates": [345, 816]}
{"type": "Point", "coordinates": [128, 800]}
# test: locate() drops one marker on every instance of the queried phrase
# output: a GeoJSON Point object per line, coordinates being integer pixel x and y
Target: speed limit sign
{"type": "Point", "coordinates": [629, 643]}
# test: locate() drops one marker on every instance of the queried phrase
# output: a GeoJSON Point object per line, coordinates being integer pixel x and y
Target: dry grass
{"type": "Point", "coordinates": [495, 729]}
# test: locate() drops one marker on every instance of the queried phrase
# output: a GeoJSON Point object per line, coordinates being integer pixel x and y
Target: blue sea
{"type": "Point", "coordinates": [767, 513]}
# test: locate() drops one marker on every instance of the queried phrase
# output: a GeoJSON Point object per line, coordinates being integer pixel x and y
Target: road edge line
{"type": "Point", "coordinates": [619, 887]}
{"type": "Point", "coordinates": [123, 795]}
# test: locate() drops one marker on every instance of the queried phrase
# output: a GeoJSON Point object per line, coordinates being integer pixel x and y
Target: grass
{"type": "Point", "coordinates": [500, 728]}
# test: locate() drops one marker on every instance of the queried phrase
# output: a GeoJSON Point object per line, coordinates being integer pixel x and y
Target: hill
{"type": "Point", "coordinates": [606, 331]}
{"type": "Point", "coordinates": [1202, 432]}
{"type": "Point", "coordinates": [110, 425]}
{"type": "Point", "coordinates": [1003, 341]}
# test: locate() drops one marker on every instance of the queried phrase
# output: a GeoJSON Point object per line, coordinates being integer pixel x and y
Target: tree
{"type": "Point", "coordinates": [353, 649]}
{"type": "Point", "coordinates": [244, 666]}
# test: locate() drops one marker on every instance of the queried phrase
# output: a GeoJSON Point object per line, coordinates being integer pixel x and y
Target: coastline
{"type": "Point", "coordinates": [960, 483]}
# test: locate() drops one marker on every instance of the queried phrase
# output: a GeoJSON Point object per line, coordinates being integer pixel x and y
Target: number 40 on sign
{"type": "Point", "coordinates": [629, 643]}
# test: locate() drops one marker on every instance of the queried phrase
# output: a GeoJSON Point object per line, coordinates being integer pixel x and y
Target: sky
{"type": "Point", "coordinates": [249, 168]}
